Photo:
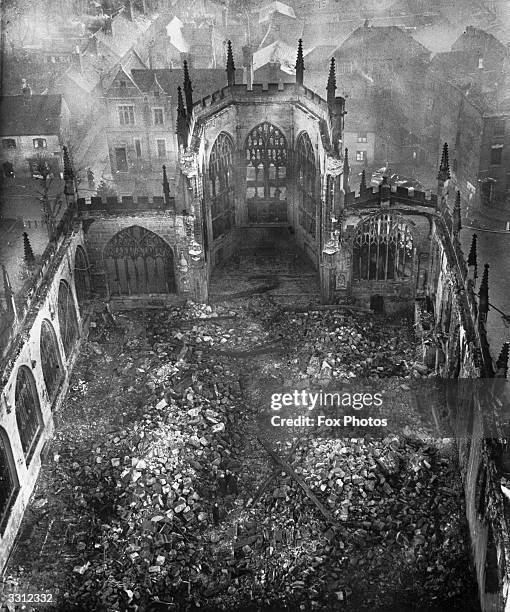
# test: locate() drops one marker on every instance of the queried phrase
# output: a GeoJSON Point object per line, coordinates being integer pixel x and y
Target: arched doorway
{"type": "Point", "coordinates": [28, 411]}
{"type": "Point", "coordinates": [221, 185]}
{"type": "Point", "coordinates": [81, 275]}
{"type": "Point", "coordinates": [50, 359]}
{"type": "Point", "coordinates": [266, 174]}
{"type": "Point", "coordinates": [137, 261]}
{"type": "Point", "coordinates": [67, 319]}
{"type": "Point", "coordinates": [306, 172]}
{"type": "Point", "coordinates": [383, 249]}
{"type": "Point", "coordinates": [9, 484]}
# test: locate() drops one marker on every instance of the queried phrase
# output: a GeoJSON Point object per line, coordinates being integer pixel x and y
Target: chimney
{"type": "Point", "coordinates": [128, 9]}
{"type": "Point", "coordinates": [273, 70]}
{"type": "Point", "coordinates": [248, 66]}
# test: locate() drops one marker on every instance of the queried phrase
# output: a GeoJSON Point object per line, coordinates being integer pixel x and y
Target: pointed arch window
{"type": "Point", "coordinates": [50, 359]}
{"type": "Point", "coordinates": [137, 262]}
{"type": "Point", "coordinates": [81, 275]}
{"type": "Point", "coordinates": [266, 174]}
{"type": "Point", "coordinates": [383, 249]}
{"type": "Point", "coordinates": [67, 319]}
{"type": "Point", "coordinates": [28, 411]}
{"type": "Point", "coordinates": [9, 484]}
{"type": "Point", "coordinates": [221, 185]}
{"type": "Point", "coordinates": [307, 173]}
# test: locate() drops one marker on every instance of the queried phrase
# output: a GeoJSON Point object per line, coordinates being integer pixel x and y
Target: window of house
{"type": "Point", "coordinates": [126, 115]}
{"type": "Point", "coordinates": [361, 156]}
{"type": "Point", "coordinates": [156, 94]}
{"type": "Point", "coordinates": [499, 127]}
{"type": "Point", "coordinates": [161, 148]}
{"type": "Point", "coordinates": [39, 143]}
{"type": "Point", "coordinates": [8, 143]}
{"type": "Point", "coordinates": [8, 169]}
{"type": "Point", "coordinates": [9, 485]}
{"type": "Point", "coordinates": [158, 116]}
{"type": "Point", "coordinates": [362, 137]}
{"type": "Point", "coordinates": [138, 148]}
{"type": "Point", "coordinates": [123, 84]}
{"type": "Point", "coordinates": [496, 155]}
{"type": "Point", "coordinates": [480, 63]}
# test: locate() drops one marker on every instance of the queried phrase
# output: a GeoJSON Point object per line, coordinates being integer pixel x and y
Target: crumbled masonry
{"type": "Point", "coordinates": [156, 485]}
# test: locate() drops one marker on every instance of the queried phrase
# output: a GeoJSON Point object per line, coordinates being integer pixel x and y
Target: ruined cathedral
{"type": "Point", "coordinates": [262, 170]}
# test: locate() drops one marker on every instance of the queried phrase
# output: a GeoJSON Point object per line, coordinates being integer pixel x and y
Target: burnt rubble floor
{"type": "Point", "coordinates": [159, 424]}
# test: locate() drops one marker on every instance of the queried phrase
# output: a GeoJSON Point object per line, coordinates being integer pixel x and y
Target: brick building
{"type": "Point", "coordinates": [33, 130]}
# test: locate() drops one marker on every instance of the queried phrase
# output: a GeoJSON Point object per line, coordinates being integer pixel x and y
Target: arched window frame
{"type": "Point", "coordinates": [51, 360]}
{"type": "Point", "coordinates": [136, 245]}
{"type": "Point", "coordinates": [67, 318]}
{"type": "Point", "coordinates": [306, 173]}
{"type": "Point", "coordinates": [81, 275]}
{"type": "Point", "coordinates": [383, 249]}
{"type": "Point", "coordinates": [221, 184]}
{"type": "Point", "coordinates": [28, 411]}
{"type": "Point", "coordinates": [266, 174]}
{"type": "Point", "coordinates": [9, 483]}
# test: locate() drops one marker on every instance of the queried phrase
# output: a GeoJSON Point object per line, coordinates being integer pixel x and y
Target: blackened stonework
{"type": "Point", "coordinates": [261, 177]}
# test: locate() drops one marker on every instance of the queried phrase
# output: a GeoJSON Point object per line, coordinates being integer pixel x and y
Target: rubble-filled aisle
{"type": "Point", "coordinates": [158, 484]}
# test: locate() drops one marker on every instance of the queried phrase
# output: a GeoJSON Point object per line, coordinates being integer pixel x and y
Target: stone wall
{"type": "Point", "coordinates": [25, 351]}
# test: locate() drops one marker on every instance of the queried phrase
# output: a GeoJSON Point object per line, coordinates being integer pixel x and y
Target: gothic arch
{"type": "Point", "coordinates": [266, 174]}
{"type": "Point", "coordinates": [9, 483]}
{"type": "Point", "coordinates": [28, 411]}
{"type": "Point", "coordinates": [81, 275]}
{"type": "Point", "coordinates": [67, 319]}
{"type": "Point", "coordinates": [383, 248]}
{"type": "Point", "coordinates": [221, 184]}
{"type": "Point", "coordinates": [137, 262]}
{"type": "Point", "coordinates": [51, 362]}
{"type": "Point", "coordinates": [306, 174]}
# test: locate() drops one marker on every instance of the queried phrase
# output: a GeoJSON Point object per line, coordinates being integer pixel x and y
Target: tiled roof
{"type": "Point", "coordinates": [266, 12]}
{"type": "Point", "coordinates": [204, 80]}
{"type": "Point", "coordinates": [24, 115]}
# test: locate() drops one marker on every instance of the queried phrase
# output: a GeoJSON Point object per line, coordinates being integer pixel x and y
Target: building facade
{"type": "Point", "coordinates": [32, 132]}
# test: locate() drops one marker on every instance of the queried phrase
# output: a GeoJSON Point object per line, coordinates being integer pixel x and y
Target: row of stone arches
{"type": "Point", "coordinates": [27, 402]}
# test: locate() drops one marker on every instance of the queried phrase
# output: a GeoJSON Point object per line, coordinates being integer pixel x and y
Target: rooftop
{"type": "Point", "coordinates": [30, 114]}
{"type": "Point", "coordinates": [204, 80]}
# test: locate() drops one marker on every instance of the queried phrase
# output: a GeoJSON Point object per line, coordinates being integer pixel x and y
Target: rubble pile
{"type": "Point", "coordinates": [182, 501]}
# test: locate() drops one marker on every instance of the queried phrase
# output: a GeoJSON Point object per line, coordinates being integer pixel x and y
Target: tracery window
{"type": "Point", "coordinates": [307, 174]}
{"type": "Point", "coordinates": [383, 249]}
{"type": "Point", "coordinates": [67, 320]}
{"type": "Point", "coordinates": [9, 485]}
{"type": "Point", "coordinates": [138, 261]}
{"type": "Point", "coordinates": [221, 185]}
{"type": "Point", "coordinates": [50, 359]}
{"type": "Point", "coordinates": [28, 411]}
{"type": "Point", "coordinates": [81, 275]}
{"type": "Point", "coordinates": [266, 174]}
